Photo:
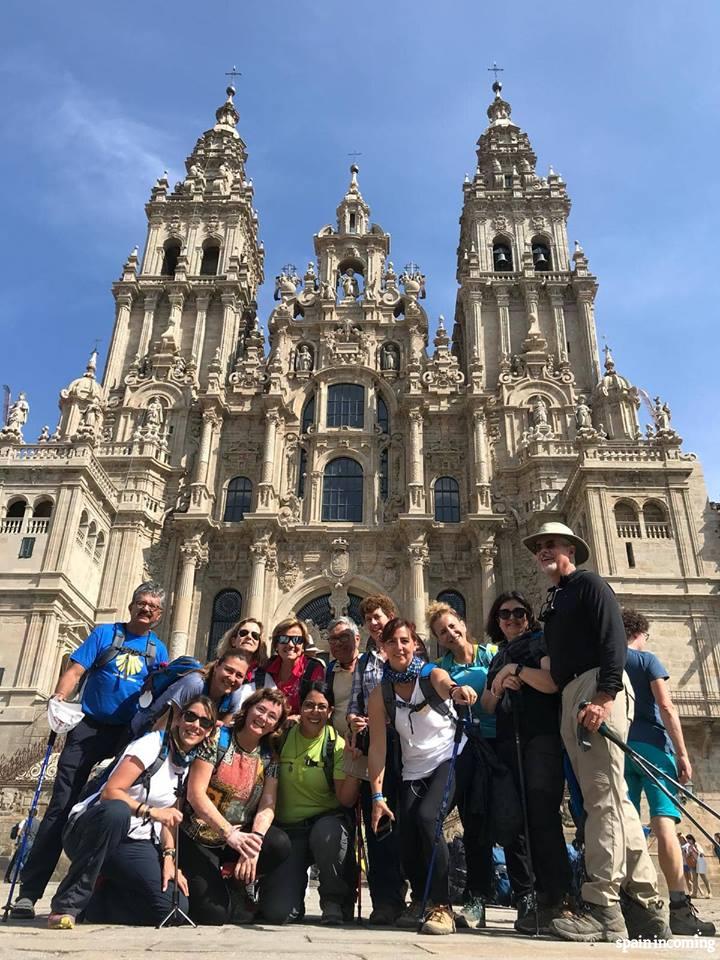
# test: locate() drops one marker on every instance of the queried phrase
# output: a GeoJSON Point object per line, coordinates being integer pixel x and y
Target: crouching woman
{"type": "Point", "coordinates": [313, 797]}
{"type": "Point", "coordinates": [229, 840]}
{"type": "Point", "coordinates": [125, 833]}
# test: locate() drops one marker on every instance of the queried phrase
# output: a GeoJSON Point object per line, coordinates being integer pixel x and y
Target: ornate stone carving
{"type": "Point", "coordinates": [16, 420]}
{"type": "Point", "coordinates": [443, 375]}
{"type": "Point", "coordinates": [339, 558]}
{"type": "Point", "coordinates": [288, 573]}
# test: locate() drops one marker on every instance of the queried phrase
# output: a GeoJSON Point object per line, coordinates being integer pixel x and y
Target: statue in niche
{"type": "Point", "coordinates": [154, 416]}
{"type": "Point", "coordinates": [583, 418]}
{"type": "Point", "coordinates": [303, 359]}
{"type": "Point", "coordinates": [179, 368]}
{"type": "Point", "coordinates": [517, 366]}
{"type": "Point", "coordinates": [389, 357]}
{"type": "Point", "coordinates": [539, 412]}
{"type": "Point", "coordinates": [351, 289]}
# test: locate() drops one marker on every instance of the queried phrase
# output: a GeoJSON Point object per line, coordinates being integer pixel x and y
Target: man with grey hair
{"type": "Point", "coordinates": [111, 664]}
{"type": "Point", "coordinates": [344, 643]}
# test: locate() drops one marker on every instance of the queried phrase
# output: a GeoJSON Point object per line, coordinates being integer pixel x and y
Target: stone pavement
{"type": "Point", "coordinates": [31, 940]}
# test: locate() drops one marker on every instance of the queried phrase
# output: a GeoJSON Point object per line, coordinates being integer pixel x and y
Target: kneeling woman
{"type": "Point", "coordinates": [426, 727]}
{"type": "Point", "coordinates": [127, 831]}
{"type": "Point", "coordinates": [313, 794]}
{"type": "Point", "coordinates": [228, 837]}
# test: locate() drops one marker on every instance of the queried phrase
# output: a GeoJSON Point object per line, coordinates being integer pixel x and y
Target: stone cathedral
{"type": "Point", "coordinates": [348, 453]}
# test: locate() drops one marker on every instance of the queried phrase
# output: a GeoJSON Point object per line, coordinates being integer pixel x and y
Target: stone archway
{"type": "Point", "coordinates": [320, 610]}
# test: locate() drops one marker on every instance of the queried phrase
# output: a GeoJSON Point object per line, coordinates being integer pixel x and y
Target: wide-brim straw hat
{"type": "Point", "coordinates": [554, 529]}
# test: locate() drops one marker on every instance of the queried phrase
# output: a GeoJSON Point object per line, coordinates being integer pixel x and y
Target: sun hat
{"type": "Point", "coordinates": [63, 716]}
{"type": "Point", "coordinates": [554, 529]}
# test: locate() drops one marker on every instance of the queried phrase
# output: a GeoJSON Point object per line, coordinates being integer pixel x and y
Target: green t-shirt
{"type": "Point", "coordinates": [303, 790]}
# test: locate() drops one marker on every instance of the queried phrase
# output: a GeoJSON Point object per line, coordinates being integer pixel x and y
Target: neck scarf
{"type": "Point", "coordinates": [412, 672]}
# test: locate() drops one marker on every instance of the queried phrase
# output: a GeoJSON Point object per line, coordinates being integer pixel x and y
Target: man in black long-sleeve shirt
{"type": "Point", "coordinates": [586, 642]}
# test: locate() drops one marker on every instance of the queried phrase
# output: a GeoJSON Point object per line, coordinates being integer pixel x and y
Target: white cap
{"type": "Point", "coordinates": [63, 716]}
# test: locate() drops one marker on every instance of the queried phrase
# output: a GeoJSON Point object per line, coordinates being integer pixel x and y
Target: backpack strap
{"type": "Point", "coordinates": [328, 755]}
{"type": "Point", "coordinates": [330, 678]}
{"type": "Point", "coordinates": [363, 663]}
{"type": "Point", "coordinates": [306, 679]}
{"type": "Point", "coordinates": [431, 697]}
{"type": "Point", "coordinates": [111, 651]}
{"type": "Point", "coordinates": [224, 741]}
{"type": "Point", "coordinates": [388, 695]}
{"type": "Point", "coordinates": [259, 677]}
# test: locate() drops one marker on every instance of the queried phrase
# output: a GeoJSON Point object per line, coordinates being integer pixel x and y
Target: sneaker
{"type": "Point", "coordinates": [685, 922]}
{"type": "Point", "coordinates": [644, 922]}
{"type": "Point", "coordinates": [23, 909]}
{"type": "Point", "coordinates": [471, 913]}
{"type": "Point", "coordinates": [332, 915]}
{"type": "Point", "coordinates": [525, 922]}
{"type": "Point", "coordinates": [61, 921]}
{"type": "Point", "coordinates": [410, 917]}
{"type": "Point", "coordinates": [439, 921]}
{"type": "Point", "coordinates": [385, 915]}
{"type": "Point", "coordinates": [596, 925]}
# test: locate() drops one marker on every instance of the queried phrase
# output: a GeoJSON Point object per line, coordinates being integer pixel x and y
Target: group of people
{"type": "Point", "coordinates": [225, 789]}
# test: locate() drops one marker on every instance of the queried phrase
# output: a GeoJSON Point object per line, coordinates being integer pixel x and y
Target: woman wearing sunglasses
{"type": "Point", "coordinates": [246, 635]}
{"type": "Point", "coordinates": [221, 680]}
{"type": "Point", "coordinates": [524, 698]}
{"type": "Point", "coordinates": [229, 840]}
{"type": "Point", "coordinates": [127, 831]}
{"type": "Point", "coordinates": [291, 669]}
{"type": "Point", "coordinates": [313, 796]}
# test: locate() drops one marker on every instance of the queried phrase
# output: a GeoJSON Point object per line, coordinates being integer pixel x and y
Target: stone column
{"type": "Point", "coordinates": [209, 421]}
{"type": "Point", "coordinates": [201, 303]}
{"type": "Point", "coordinates": [482, 478]}
{"type": "Point", "coordinates": [229, 333]}
{"type": "Point", "coordinates": [193, 553]}
{"type": "Point", "coordinates": [171, 335]}
{"type": "Point", "coordinates": [415, 467]}
{"type": "Point", "coordinates": [261, 551]}
{"type": "Point", "coordinates": [265, 489]}
{"type": "Point", "coordinates": [315, 512]}
{"type": "Point", "coordinates": [419, 558]}
{"type": "Point", "coordinates": [476, 346]}
{"type": "Point", "coordinates": [116, 356]}
{"type": "Point", "coordinates": [587, 322]}
{"type": "Point", "coordinates": [488, 553]}
{"type": "Point", "coordinates": [502, 297]}
{"type": "Point", "coordinates": [557, 301]}
{"type": "Point", "coordinates": [150, 305]}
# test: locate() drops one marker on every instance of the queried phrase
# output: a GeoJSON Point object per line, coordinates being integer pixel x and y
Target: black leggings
{"type": "Point", "coordinates": [419, 805]}
{"type": "Point", "coordinates": [210, 902]}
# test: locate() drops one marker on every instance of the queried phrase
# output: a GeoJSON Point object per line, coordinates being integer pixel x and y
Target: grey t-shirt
{"type": "Point", "coordinates": [179, 693]}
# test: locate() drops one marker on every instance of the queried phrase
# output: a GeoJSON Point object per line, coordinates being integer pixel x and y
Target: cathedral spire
{"type": "Point", "coordinates": [227, 115]}
{"type": "Point", "coordinates": [353, 213]}
{"type": "Point", "coordinates": [505, 155]}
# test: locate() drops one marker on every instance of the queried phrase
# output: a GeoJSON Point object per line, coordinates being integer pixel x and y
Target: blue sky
{"type": "Point", "coordinates": [621, 97]}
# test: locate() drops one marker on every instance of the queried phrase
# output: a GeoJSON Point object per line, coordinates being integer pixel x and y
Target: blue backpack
{"type": "Point", "coordinates": [164, 675]}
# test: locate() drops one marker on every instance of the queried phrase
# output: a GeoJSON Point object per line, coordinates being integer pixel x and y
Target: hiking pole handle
{"type": "Point", "coordinates": [583, 737]}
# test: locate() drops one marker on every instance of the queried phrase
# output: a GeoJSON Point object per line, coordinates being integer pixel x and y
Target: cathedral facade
{"type": "Point", "coordinates": [348, 455]}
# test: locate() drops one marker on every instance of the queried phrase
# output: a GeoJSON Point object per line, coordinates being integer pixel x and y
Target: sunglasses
{"type": "Point", "coordinates": [248, 633]}
{"type": "Point", "coordinates": [548, 607]}
{"type": "Point", "coordinates": [517, 613]}
{"type": "Point", "coordinates": [205, 722]}
{"type": "Point", "coordinates": [283, 639]}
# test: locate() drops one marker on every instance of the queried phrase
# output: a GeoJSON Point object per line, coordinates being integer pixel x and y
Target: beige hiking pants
{"type": "Point", "coordinates": [616, 853]}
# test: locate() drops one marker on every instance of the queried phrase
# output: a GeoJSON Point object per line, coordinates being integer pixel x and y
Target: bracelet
{"type": "Point", "coordinates": [453, 687]}
{"type": "Point", "coordinates": [146, 816]}
{"type": "Point", "coordinates": [378, 796]}
{"type": "Point", "coordinates": [138, 808]}
{"type": "Point", "coordinates": [256, 833]}
{"type": "Point", "coordinates": [170, 852]}
{"type": "Point", "coordinates": [519, 669]}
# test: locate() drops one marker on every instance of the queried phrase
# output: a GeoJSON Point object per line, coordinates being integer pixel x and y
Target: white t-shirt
{"type": "Point", "coordinates": [426, 737]}
{"type": "Point", "coordinates": [162, 784]}
{"type": "Point", "coordinates": [248, 689]}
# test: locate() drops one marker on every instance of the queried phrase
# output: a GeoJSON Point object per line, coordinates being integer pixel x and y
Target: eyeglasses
{"type": "Point", "coordinates": [151, 607]}
{"type": "Point", "coordinates": [283, 639]}
{"type": "Point", "coordinates": [549, 606]}
{"type": "Point", "coordinates": [205, 722]}
{"type": "Point", "coordinates": [517, 613]}
{"type": "Point", "coordinates": [345, 637]}
{"type": "Point", "coordinates": [248, 633]}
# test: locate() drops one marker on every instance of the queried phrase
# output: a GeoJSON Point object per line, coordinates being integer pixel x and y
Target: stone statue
{"type": "Point", "coordinates": [389, 357]}
{"type": "Point", "coordinates": [539, 412]}
{"type": "Point", "coordinates": [351, 290]}
{"type": "Point", "coordinates": [18, 414]}
{"type": "Point", "coordinates": [661, 414]}
{"type": "Point", "coordinates": [303, 359]}
{"type": "Point", "coordinates": [154, 417]}
{"type": "Point", "coordinates": [179, 368]}
{"type": "Point", "coordinates": [583, 418]}
{"type": "Point", "coordinates": [44, 434]}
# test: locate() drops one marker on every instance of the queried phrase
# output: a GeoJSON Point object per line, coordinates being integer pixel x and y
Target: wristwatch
{"type": "Point", "coordinates": [519, 669]}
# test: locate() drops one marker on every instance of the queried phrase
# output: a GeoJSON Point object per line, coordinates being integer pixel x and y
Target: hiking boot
{"type": "Point", "coordinates": [595, 925]}
{"type": "Point", "coordinates": [61, 921]}
{"type": "Point", "coordinates": [332, 915]}
{"type": "Point", "coordinates": [685, 922]}
{"type": "Point", "coordinates": [525, 922]}
{"type": "Point", "coordinates": [410, 917]}
{"type": "Point", "coordinates": [23, 909]}
{"type": "Point", "coordinates": [546, 915]}
{"type": "Point", "coordinates": [242, 907]}
{"type": "Point", "coordinates": [384, 915]}
{"type": "Point", "coordinates": [472, 913]}
{"type": "Point", "coordinates": [644, 922]}
{"type": "Point", "coordinates": [439, 921]}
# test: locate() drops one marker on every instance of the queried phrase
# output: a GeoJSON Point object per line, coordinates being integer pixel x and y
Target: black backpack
{"type": "Point", "coordinates": [117, 646]}
{"type": "Point", "coordinates": [431, 697]}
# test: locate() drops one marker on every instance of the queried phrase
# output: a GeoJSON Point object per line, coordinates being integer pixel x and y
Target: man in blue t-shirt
{"type": "Point", "coordinates": [656, 735]}
{"type": "Point", "coordinates": [113, 662]}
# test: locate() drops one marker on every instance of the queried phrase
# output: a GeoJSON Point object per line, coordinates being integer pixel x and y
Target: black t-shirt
{"type": "Point", "coordinates": [584, 629]}
{"type": "Point", "coordinates": [539, 713]}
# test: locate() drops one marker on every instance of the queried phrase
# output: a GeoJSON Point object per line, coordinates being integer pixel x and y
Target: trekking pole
{"type": "Point", "coordinates": [645, 767]}
{"type": "Point", "coordinates": [360, 857]}
{"type": "Point", "coordinates": [459, 727]}
{"type": "Point", "coordinates": [523, 800]}
{"type": "Point", "coordinates": [28, 824]}
{"type": "Point", "coordinates": [177, 915]}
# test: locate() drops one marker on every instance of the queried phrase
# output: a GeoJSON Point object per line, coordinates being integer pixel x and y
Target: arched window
{"type": "Point", "coordinates": [346, 405]}
{"type": "Point", "coordinates": [91, 538]}
{"type": "Point", "coordinates": [40, 521]}
{"type": "Point", "coordinates": [17, 509]}
{"type": "Point", "coordinates": [170, 259]}
{"type": "Point", "coordinates": [541, 254]}
{"type": "Point", "coordinates": [384, 478]}
{"type": "Point", "coordinates": [308, 414]}
{"type": "Point", "coordinates": [99, 547]}
{"type": "Point", "coordinates": [226, 610]}
{"type": "Point", "coordinates": [210, 259]}
{"type": "Point", "coordinates": [657, 526]}
{"type": "Point", "coordinates": [13, 520]}
{"type": "Point", "coordinates": [302, 473]}
{"type": "Point", "coordinates": [447, 500]}
{"type": "Point", "coordinates": [502, 257]}
{"type": "Point", "coordinates": [239, 499]}
{"type": "Point", "coordinates": [43, 508]}
{"type": "Point", "coordinates": [383, 418]}
{"type": "Point", "coordinates": [453, 599]}
{"type": "Point", "coordinates": [343, 491]}
{"type": "Point", "coordinates": [626, 520]}
{"type": "Point", "coordinates": [321, 613]}
{"type": "Point", "coordinates": [83, 527]}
